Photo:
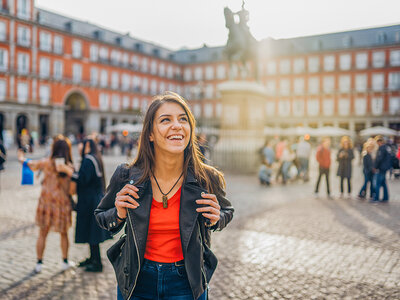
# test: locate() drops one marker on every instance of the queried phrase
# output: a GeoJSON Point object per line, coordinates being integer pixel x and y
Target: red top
{"type": "Point", "coordinates": [164, 239]}
{"type": "Point", "coordinates": [324, 157]}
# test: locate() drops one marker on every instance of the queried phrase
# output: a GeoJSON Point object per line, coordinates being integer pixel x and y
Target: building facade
{"type": "Point", "coordinates": [61, 75]}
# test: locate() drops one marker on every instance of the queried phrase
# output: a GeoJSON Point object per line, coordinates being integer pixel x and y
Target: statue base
{"type": "Point", "coordinates": [242, 127]}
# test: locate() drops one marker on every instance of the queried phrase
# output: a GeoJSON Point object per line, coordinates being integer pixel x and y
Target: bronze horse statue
{"type": "Point", "coordinates": [241, 46]}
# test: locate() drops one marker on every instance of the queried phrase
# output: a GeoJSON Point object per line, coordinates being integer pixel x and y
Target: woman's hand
{"type": "Point", "coordinates": [125, 198]}
{"type": "Point", "coordinates": [211, 210]}
{"type": "Point", "coordinates": [63, 168]}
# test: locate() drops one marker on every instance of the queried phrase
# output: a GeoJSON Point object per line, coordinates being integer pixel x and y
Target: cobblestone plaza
{"type": "Point", "coordinates": [283, 243]}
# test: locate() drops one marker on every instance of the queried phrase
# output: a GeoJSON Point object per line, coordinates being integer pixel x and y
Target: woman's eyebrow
{"type": "Point", "coordinates": [168, 115]}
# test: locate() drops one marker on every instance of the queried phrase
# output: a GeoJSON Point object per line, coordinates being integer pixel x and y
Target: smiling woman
{"type": "Point", "coordinates": [170, 201]}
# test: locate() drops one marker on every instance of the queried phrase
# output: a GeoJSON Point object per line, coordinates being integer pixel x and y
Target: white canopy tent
{"type": "Point", "coordinates": [331, 131]}
{"type": "Point", "coordinates": [131, 128]}
{"type": "Point", "coordinates": [378, 130]}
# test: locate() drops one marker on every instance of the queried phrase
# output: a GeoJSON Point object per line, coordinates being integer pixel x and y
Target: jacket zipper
{"type": "Point", "coordinates": [201, 267]}
{"type": "Point", "coordinates": [137, 250]}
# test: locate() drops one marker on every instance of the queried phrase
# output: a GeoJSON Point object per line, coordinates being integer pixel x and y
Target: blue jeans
{"type": "Point", "coordinates": [162, 281]}
{"type": "Point", "coordinates": [363, 191]}
{"type": "Point", "coordinates": [381, 182]}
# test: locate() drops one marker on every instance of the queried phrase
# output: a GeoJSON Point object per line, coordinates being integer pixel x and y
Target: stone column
{"type": "Point", "coordinates": [57, 120]}
{"type": "Point", "coordinates": [242, 126]}
{"type": "Point", "coordinates": [92, 122]}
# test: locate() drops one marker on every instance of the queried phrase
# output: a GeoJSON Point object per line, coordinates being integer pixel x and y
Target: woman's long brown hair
{"type": "Point", "coordinates": [210, 178]}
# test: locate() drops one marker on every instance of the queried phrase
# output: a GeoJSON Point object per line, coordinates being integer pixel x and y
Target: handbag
{"type": "Point", "coordinates": [27, 174]}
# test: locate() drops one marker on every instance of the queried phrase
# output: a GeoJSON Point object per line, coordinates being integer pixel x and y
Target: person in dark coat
{"type": "Point", "coordinates": [90, 190]}
{"type": "Point", "coordinates": [3, 155]}
{"type": "Point", "coordinates": [383, 163]}
{"type": "Point", "coordinates": [368, 168]}
{"type": "Point", "coordinates": [344, 157]}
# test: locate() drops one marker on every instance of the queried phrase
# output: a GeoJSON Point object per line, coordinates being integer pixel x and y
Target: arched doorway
{"type": "Point", "coordinates": [76, 111]}
{"type": "Point", "coordinates": [21, 122]}
{"type": "Point", "coordinates": [43, 128]}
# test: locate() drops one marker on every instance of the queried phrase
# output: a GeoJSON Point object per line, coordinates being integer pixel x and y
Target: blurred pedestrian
{"type": "Point", "coordinates": [303, 156]}
{"type": "Point", "coordinates": [323, 157]}
{"type": "Point", "coordinates": [3, 155]}
{"type": "Point", "coordinates": [90, 189]}
{"type": "Point", "coordinates": [383, 163]}
{"type": "Point", "coordinates": [345, 157]}
{"type": "Point", "coordinates": [54, 208]}
{"type": "Point", "coordinates": [287, 158]}
{"type": "Point", "coordinates": [368, 169]}
{"type": "Point", "coordinates": [170, 201]}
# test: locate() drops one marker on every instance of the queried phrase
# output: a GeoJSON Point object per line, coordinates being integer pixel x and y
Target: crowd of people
{"type": "Point", "coordinates": [282, 162]}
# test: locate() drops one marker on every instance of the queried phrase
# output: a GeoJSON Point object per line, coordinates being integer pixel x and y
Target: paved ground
{"type": "Point", "coordinates": [284, 243]}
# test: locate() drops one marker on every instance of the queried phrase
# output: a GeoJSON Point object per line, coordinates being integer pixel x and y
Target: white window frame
{"type": "Point", "coordinates": [221, 72]}
{"type": "Point", "coordinates": [115, 80]}
{"type": "Point", "coordinates": [345, 61]}
{"type": "Point", "coordinates": [125, 82]}
{"type": "Point", "coordinates": [3, 31]}
{"type": "Point", "coordinates": [329, 84]}
{"type": "Point", "coordinates": [360, 106]}
{"type": "Point", "coordinates": [94, 52]}
{"type": "Point", "coordinates": [22, 92]}
{"type": "Point", "coordinates": [378, 82]}
{"type": "Point", "coordinates": [361, 60]}
{"type": "Point", "coordinates": [104, 102]}
{"type": "Point", "coordinates": [58, 44]}
{"type": "Point", "coordinates": [394, 105]}
{"type": "Point", "coordinates": [395, 58]}
{"type": "Point", "coordinates": [361, 82]}
{"type": "Point", "coordinates": [103, 78]}
{"type": "Point", "coordinates": [313, 64]}
{"type": "Point", "coordinates": [271, 68]}
{"type": "Point", "coordinates": [314, 85]}
{"type": "Point", "coordinates": [24, 36]}
{"type": "Point", "coordinates": [344, 83]}
{"type": "Point", "coordinates": [284, 87]}
{"type": "Point", "coordinates": [344, 106]}
{"type": "Point", "coordinates": [3, 89]}
{"type": "Point", "coordinates": [284, 66]}
{"type": "Point", "coordinates": [313, 107]}
{"type": "Point", "coordinates": [76, 49]}
{"type": "Point", "coordinates": [44, 67]}
{"type": "Point", "coordinates": [378, 59]}
{"type": "Point", "coordinates": [209, 73]}
{"type": "Point", "coordinates": [45, 41]}
{"type": "Point", "coordinates": [23, 66]}
{"type": "Point", "coordinates": [44, 94]}
{"type": "Point", "coordinates": [394, 81]}
{"type": "Point", "coordinates": [77, 73]}
{"type": "Point", "coordinates": [298, 107]}
{"type": "Point", "coordinates": [3, 59]}
{"type": "Point", "coordinates": [377, 106]}
{"type": "Point", "coordinates": [24, 9]}
{"type": "Point", "coordinates": [58, 69]}
{"type": "Point", "coordinates": [299, 65]}
{"type": "Point", "coordinates": [94, 76]}
{"type": "Point", "coordinates": [329, 63]}
{"type": "Point", "coordinates": [328, 106]}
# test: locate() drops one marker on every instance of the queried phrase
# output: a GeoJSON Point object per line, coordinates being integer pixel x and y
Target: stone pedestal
{"type": "Point", "coordinates": [242, 126]}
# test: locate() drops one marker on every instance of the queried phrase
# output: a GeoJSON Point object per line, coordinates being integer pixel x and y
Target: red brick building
{"type": "Point", "coordinates": [59, 74]}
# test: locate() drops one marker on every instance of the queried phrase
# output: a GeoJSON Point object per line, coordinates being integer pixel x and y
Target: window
{"type": "Point", "coordinates": [344, 106]}
{"type": "Point", "coordinates": [198, 73]}
{"type": "Point", "coordinates": [209, 91]}
{"type": "Point", "coordinates": [361, 82]}
{"type": "Point", "coordinates": [125, 102]}
{"type": "Point", "coordinates": [94, 52]}
{"type": "Point", "coordinates": [162, 70]}
{"type": "Point", "coordinates": [362, 60]}
{"type": "Point", "coordinates": [104, 102]}
{"type": "Point", "coordinates": [394, 81]}
{"type": "Point", "coordinates": [76, 49]}
{"type": "Point", "coordinates": [171, 87]}
{"type": "Point", "coordinates": [24, 9]}
{"type": "Point", "coordinates": [103, 78]}
{"type": "Point", "coordinates": [58, 44]}
{"type": "Point", "coordinates": [94, 76]}
{"type": "Point", "coordinates": [3, 89]}
{"type": "Point", "coordinates": [284, 87]}
{"type": "Point", "coordinates": [45, 41]}
{"type": "Point", "coordinates": [221, 72]}
{"type": "Point", "coordinates": [136, 83]}
{"type": "Point", "coordinates": [313, 64]}
{"type": "Point", "coordinates": [115, 57]}
{"type": "Point", "coordinates": [298, 107]}
{"type": "Point", "coordinates": [44, 67]}
{"type": "Point", "coordinates": [271, 87]}
{"type": "Point", "coordinates": [345, 62]}
{"type": "Point", "coordinates": [103, 53]}
{"type": "Point", "coordinates": [153, 67]}
{"type": "Point", "coordinates": [144, 106]}
{"type": "Point", "coordinates": [329, 63]}
{"type": "Point", "coordinates": [312, 107]}
{"type": "Point", "coordinates": [284, 66]}
{"type": "Point", "coordinates": [187, 74]}
{"type": "Point", "coordinates": [115, 103]}
{"type": "Point", "coordinates": [135, 103]}
{"type": "Point", "coordinates": [3, 31]}
{"type": "Point", "coordinates": [125, 59]}
{"type": "Point", "coordinates": [271, 67]}
{"type": "Point", "coordinates": [218, 110]}
{"type": "Point", "coordinates": [114, 80]}
{"type": "Point", "coordinates": [24, 36]}
{"type": "Point", "coordinates": [76, 73]}
{"type": "Point", "coordinates": [125, 82]}
{"type": "Point", "coordinates": [145, 65]}
{"type": "Point", "coordinates": [57, 69]}
{"type": "Point", "coordinates": [377, 106]}
{"type": "Point", "coordinates": [270, 108]}
{"type": "Point", "coordinates": [23, 63]}
{"type": "Point", "coordinates": [197, 110]}
{"type": "Point", "coordinates": [299, 86]}
{"type": "Point", "coordinates": [284, 108]}
{"type": "Point", "coordinates": [208, 110]}
{"type": "Point", "coordinates": [328, 107]}
{"type": "Point", "coordinates": [378, 59]}
{"type": "Point", "coordinates": [135, 62]}
{"type": "Point", "coordinates": [22, 92]}
{"type": "Point", "coordinates": [44, 94]}
{"type": "Point", "coordinates": [344, 83]}
{"type": "Point", "coordinates": [153, 87]}
{"type": "Point", "coordinates": [394, 105]}
{"type": "Point", "coordinates": [299, 65]}
{"type": "Point", "coordinates": [145, 85]}
{"type": "Point", "coordinates": [170, 72]}
{"type": "Point", "coordinates": [377, 82]}
{"type": "Point", "coordinates": [209, 73]}
{"type": "Point", "coordinates": [3, 59]}
{"type": "Point", "coordinates": [313, 85]}
{"type": "Point", "coordinates": [395, 58]}
{"type": "Point", "coordinates": [360, 106]}
{"type": "Point", "coordinates": [329, 84]}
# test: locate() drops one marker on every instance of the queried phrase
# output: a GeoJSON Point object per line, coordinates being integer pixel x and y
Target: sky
{"type": "Point", "coordinates": [176, 24]}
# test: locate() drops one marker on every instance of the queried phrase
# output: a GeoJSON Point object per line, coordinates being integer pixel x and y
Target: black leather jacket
{"type": "Point", "coordinates": [127, 254]}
